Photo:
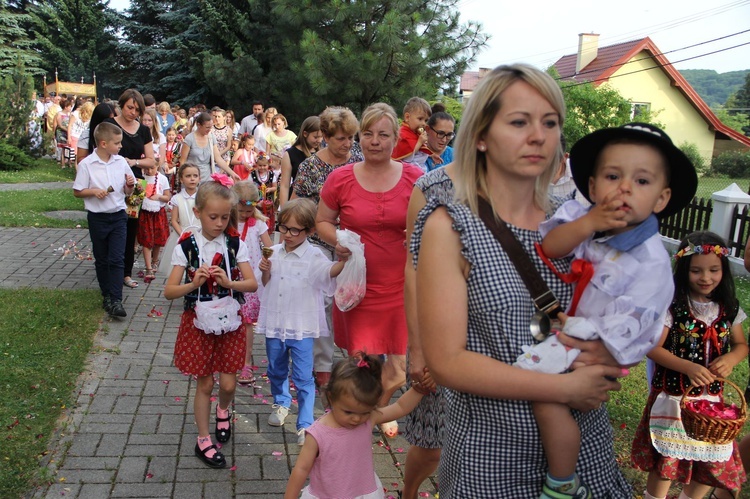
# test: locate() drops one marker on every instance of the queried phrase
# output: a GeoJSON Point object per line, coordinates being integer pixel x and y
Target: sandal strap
{"type": "Point", "coordinates": [212, 446]}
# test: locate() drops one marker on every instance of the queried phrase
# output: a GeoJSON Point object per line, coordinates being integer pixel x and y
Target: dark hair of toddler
{"type": "Point", "coordinates": [359, 376]}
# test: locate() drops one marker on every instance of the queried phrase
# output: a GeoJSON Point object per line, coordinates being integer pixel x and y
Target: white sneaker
{"type": "Point", "coordinates": [278, 415]}
{"type": "Point", "coordinates": [301, 437]}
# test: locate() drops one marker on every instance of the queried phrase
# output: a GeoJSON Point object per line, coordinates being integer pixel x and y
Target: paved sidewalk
{"type": "Point", "coordinates": [131, 432]}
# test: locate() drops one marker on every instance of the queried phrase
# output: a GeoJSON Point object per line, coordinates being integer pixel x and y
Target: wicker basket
{"type": "Point", "coordinates": [710, 429]}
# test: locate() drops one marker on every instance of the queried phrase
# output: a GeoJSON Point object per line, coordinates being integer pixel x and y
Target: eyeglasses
{"type": "Point", "coordinates": [292, 230]}
{"type": "Point", "coordinates": [249, 203]}
{"type": "Point", "coordinates": [443, 135]}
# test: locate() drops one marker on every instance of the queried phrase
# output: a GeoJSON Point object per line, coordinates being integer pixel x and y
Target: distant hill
{"type": "Point", "coordinates": [713, 87]}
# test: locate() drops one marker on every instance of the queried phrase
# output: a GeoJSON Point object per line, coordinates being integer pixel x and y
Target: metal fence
{"type": "Point", "coordinates": [695, 216]}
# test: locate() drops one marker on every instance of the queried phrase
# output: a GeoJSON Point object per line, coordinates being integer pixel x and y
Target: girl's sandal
{"type": "Point", "coordinates": [130, 283]}
{"type": "Point", "coordinates": [246, 376]}
{"type": "Point", "coordinates": [149, 276]}
{"type": "Point", "coordinates": [155, 266]}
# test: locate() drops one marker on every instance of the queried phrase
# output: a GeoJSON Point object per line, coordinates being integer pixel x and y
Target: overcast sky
{"type": "Point", "coordinates": [541, 31]}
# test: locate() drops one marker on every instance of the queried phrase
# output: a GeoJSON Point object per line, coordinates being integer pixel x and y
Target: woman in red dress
{"type": "Point", "coordinates": [371, 198]}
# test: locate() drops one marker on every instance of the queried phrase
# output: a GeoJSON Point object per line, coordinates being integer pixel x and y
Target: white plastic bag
{"type": "Point", "coordinates": [351, 283]}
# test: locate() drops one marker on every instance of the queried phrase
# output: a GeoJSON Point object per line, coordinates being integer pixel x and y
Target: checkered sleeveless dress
{"type": "Point", "coordinates": [492, 447]}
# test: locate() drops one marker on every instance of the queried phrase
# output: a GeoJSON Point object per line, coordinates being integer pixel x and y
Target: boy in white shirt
{"type": "Point", "coordinates": [292, 313]}
{"type": "Point", "coordinates": [103, 180]}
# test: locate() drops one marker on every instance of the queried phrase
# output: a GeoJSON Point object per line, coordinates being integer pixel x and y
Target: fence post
{"type": "Point", "coordinates": [724, 202]}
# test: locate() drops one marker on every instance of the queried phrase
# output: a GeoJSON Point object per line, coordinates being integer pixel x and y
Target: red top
{"type": "Point", "coordinates": [407, 142]}
{"type": "Point", "coordinates": [378, 324]}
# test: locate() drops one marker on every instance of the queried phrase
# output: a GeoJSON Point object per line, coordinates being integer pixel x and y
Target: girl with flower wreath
{"type": "Point", "coordinates": [702, 340]}
{"type": "Point", "coordinates": [254, 231]}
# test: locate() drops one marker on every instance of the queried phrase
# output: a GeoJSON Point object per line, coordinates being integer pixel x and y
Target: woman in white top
{"type": "Point", "coordinates": [263, 129]}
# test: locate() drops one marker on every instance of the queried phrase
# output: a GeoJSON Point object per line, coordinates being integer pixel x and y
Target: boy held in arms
{"type": "Point", "coordinates": [412, 135]}
{"type": "Point", "coordinates": [103, 180]}
{"type": "Point", "coordinates": [632, 174]}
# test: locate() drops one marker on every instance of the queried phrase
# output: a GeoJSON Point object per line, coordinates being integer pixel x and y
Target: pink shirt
{"type": "Point", "coordinates": [344, 468]}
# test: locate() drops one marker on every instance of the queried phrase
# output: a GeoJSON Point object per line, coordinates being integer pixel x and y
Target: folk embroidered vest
{"type": "Point", "coordinates": [696, 341]}
{"type": "Point", "coordinates": [210, 288]}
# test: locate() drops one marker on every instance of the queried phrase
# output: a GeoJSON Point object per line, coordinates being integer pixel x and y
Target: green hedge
{"type": "Point", "coordinates": [732, 164]}
{"type": "Point", "coordinates": [13, 158]}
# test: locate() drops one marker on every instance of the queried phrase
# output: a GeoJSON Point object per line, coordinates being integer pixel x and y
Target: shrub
{"type": "Point", "coordinates": [15, 105]}
{"type": "Point", "coordinates": [733, 164]}
{"type": "Point", "coordinates": [13, 158]}
{"type": "Point", "coordinates": [695, 157]}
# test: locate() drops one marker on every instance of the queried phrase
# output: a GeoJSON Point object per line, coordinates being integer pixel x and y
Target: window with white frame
{"type": "Point", "coordinates": [638, 109]}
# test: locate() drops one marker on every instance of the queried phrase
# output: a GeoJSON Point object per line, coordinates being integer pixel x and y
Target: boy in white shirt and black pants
{"type": "Point", "coordinates": [103, 180]}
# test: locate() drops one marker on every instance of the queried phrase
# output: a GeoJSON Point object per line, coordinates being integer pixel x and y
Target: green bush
{"type": "Point", "coordinates": [695, 157]}
{"type": "Point", "coordinates": [732, 164]}
{"type": "Point", "coordinates": [13, 158]}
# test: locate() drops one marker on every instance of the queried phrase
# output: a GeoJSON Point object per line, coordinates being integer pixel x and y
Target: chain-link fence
{"type": "Point", "coordinates": [709, 185]}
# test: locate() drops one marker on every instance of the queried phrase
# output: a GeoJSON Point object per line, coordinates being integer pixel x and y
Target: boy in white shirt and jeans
{"type": "Point", "coordinates": [293, 280]}
{"type": "Point", "coordinates": [103, 180]}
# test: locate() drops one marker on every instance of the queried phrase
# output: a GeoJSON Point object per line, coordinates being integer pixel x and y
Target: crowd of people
{"type": "Point", "coordinates": [464, 243]}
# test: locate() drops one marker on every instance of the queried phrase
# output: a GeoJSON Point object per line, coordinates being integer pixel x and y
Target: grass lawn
{"type": "Point", "coordinates": [26, 208]}
{"type": "Point", "coordinates": [45, 170]}
{"type": "Point", "coordinates": [626, 407]}
{"type": "Point", "coordinates": [45, 336]}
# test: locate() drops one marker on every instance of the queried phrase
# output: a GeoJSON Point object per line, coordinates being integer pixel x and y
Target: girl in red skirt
{"type": "Point", "coordinates": [702, 340]}
{"type": "Point", "coordinates": [153, 228]}
{"type": "Point", "coordinates": [211, 262]}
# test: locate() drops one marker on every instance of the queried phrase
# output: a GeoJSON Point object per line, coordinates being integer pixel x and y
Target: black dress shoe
{"type": "Point", "coordinates": [216, 461]}
{"type": "Point", "coordinates": [223, 435]}
{"type": "Point", "coordinates": [116, 309]}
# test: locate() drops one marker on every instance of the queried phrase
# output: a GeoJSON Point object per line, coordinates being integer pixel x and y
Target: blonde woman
{"type": "Point", "coordinates": [473, 308]}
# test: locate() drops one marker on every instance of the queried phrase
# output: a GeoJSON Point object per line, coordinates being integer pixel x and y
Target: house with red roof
{"type": "Point", "coordinates": [641, 73]}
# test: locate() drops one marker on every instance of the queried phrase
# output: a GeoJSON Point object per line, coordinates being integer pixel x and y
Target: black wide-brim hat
{"type": "Point", "coordinates": [683, 178]}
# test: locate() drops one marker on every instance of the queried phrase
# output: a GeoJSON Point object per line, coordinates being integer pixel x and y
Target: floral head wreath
{"type": "Point", "coordinates": [702, 249]}
{"type": "Point", "coordinates": [261, 156]}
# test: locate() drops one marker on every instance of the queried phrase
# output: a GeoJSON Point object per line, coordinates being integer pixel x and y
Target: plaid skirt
{"type": "Point", "coordinates": [153, 228]}
{"type": "Point", "coordinates": [201, 354]}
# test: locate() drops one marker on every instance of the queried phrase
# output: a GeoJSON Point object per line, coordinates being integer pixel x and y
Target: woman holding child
{"type": "Point", "coordinates": [474, 309]}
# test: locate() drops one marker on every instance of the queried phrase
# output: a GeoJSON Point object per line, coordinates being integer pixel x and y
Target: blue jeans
{"type": "Point", "coordinates": [107, 232]}
{"type": "Point", "coordinates": [301, 352]}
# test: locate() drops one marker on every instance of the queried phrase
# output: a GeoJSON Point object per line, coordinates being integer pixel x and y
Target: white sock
{"type": "Point", "coordinates": [646, 495]}
{"type": "Point", "coordinates": [683, 495]}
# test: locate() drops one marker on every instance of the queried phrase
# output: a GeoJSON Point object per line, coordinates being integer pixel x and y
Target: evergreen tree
{"type": "Point", "coordinates": [178, 74]}
{"type": "Point", "coordinates": [305, 54]}
{"type": "Point", "coordinates": [15, 107]}
{"type": "Point", "coordinates": [735, 113]}
{"type": "Point", "coordinates": [142, 46]}
{"type": "Point", "coordinates": [15, 43]}
{"type": "Point", "coordinates": [77, 38]}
